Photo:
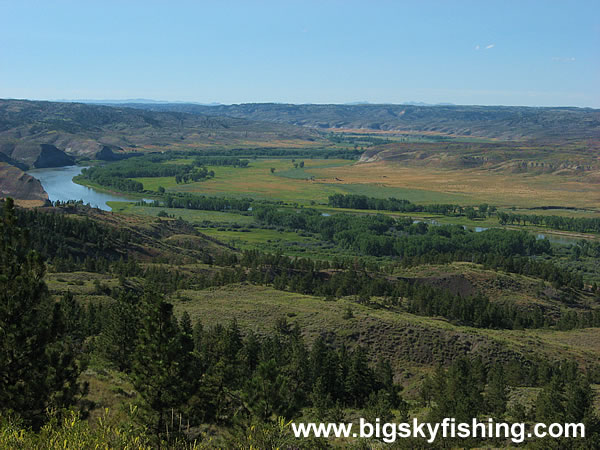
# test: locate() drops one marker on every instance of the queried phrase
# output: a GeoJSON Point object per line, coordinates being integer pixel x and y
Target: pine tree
{"type": "Point", "coordinates": [321, 400]}
{"type": "Point", "coordinates": [38, 369]}
{"type": "Point", "coordinates": [378, 406]}
{"type": "Point", "coordinates": [549, 406]}
{"type": "Point", "coordinates": [457, 392]}
{"type": "Point", "coordinates": [119, 334]}
{"type": "Point", "coordinates": [426, 391]}
{"type": "Point", "coordinates": [497, 391]}
{"type": "Point", "coordinates": [187, 332]}
{"type": "Point", "coordinates": [266, 390]}
{"type": "Point", "coordinates": [359, 381]}
{"type": "Point", "coordinates": [198, 333]}
{"type": "Point", "coordinates": [160, 372]}
{"type": "Point", "coordinates": [73, 316]}
{"type": "Point", "coordinates": [578, 400]}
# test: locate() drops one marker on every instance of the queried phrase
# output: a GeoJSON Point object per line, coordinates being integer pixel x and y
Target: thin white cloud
{"type": "Point", "coordinates": [477, 47]}
{"type": "Point", "coordinates": [487, 47]}
{"type": "Point", "coordinates": [563, 59]}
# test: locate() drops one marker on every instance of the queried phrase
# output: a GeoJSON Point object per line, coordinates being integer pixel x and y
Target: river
{"type": "Point", "coordinates": [58, 183]}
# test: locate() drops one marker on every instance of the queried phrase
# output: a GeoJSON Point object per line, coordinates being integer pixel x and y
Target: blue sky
{"type": "Point", "coordinates": [486, 52]}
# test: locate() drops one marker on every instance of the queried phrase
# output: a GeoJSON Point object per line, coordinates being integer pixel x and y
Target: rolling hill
{"type": "Point", "coordinates": [46, 134]}
{"type": "Point", "coordinates": [498, 122]}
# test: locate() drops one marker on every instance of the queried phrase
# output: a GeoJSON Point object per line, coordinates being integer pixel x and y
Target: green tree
{"type": "Point", "coordinates": [578, 400]}
{"type": "Point", "coordinates": [549, 405]}
{"type": "Point", "coordinates": [360, 378]}
{"type": "Point", "coordinates": [161, 367]}
{"type": "Point", "coordinates": [470, 213]}
{"type": "Point", "coordinates": [38, 368]}
{"type": "Point", "coordinates": [457, 392]}
{"type": "Point", "coordinates": [497, 395]}
{"type": "Point", "coordinates": [266, 392]}
{"type": "Point", "coordinates": [378, 406]}
{"type": "Point", "coordinates": [119, 334]}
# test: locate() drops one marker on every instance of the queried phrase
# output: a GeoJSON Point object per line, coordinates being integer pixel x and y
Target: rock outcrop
{"type": "Point", "coordinates": [25, 189]}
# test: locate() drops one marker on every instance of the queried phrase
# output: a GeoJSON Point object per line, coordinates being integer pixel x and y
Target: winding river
{"type": "Point", "coordinates": [58, 183]}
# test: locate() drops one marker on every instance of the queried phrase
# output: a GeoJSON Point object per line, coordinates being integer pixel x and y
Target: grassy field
{"type": "Point", "coordinates": [469, 185]}
{"type": "Point", "coordinates": [415, 195]}
{"type": "Point", "coordinates": [320, 178]}
{"type": "Point", "coordinates": [189, 215]}
{"type": "Point", "coordinates": [295, 184]}
{"type": "Point", "coordinates": [273, 241]}
{"type": "Point", "coordinates": [255, 181]}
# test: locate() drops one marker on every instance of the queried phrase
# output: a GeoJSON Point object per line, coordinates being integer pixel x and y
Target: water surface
{"type": "Point", "coordinates": [58, 183]}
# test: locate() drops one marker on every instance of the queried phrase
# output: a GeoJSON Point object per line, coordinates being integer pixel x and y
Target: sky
{"type": "Point", "coordinates": [485, 52]}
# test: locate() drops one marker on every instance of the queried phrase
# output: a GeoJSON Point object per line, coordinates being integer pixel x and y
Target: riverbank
{"type": "Point", "coordinates": [80, 180]}
{"type": "Point", "coordinates": [59, 183]}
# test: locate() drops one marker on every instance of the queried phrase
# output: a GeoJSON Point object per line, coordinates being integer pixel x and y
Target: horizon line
{"type": "Point", "coordinates": [215, 104]}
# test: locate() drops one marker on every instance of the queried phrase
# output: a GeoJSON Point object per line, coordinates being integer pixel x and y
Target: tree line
{"type": "Point", "coordinates": [469, 389]}
{"type": "Point", "coordinates": [220, 161]}
{"type": "Point", "coordinates": [118, 175]}
{"type": "Point", "coordinates": [578, 224]}
{"type": "Point", "coordinates": [420, 243]}
{"type": "Point", "coordinates": [355, 201]}
{"type": "Point", "coordinates": [196, 202]}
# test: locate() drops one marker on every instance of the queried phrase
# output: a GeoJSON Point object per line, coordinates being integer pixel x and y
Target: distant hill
{"type": "Point", "coordinates": [501, 122]}
{"type": "Point", "coordinates": [45, 134]}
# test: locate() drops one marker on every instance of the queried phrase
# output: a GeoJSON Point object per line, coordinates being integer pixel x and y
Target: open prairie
{"type": "Point", "coordinates": [473, 185]}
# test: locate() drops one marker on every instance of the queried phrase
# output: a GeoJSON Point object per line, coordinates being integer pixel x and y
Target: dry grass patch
{"type": "Point", "coordinates": [506, 190]}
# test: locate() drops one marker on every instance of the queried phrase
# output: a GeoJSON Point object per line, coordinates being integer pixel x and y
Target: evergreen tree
{"type": "Point", "coordinates": [457, 392]}
{"type": "Point", "coordinates": [359, 380]}
{"type": "Point", "coordinates": [38, 369]}
{"type": "Point", "coordinates": [549, 406]}
{"type": "Point", "coordinates": [265, 393]}
{"type": "Point", "coordinates": [119, 334]}
{"type": "Point", "coordinates": [578, 400]}
{"type": "Point", "coordinates": [73, 317]}
{"type": "Point", "coordinates": [378, 406]}
{"type": "Point", "coordinates": [497, 395]}
{"type": "Point", "coordinates": [160, 372]}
